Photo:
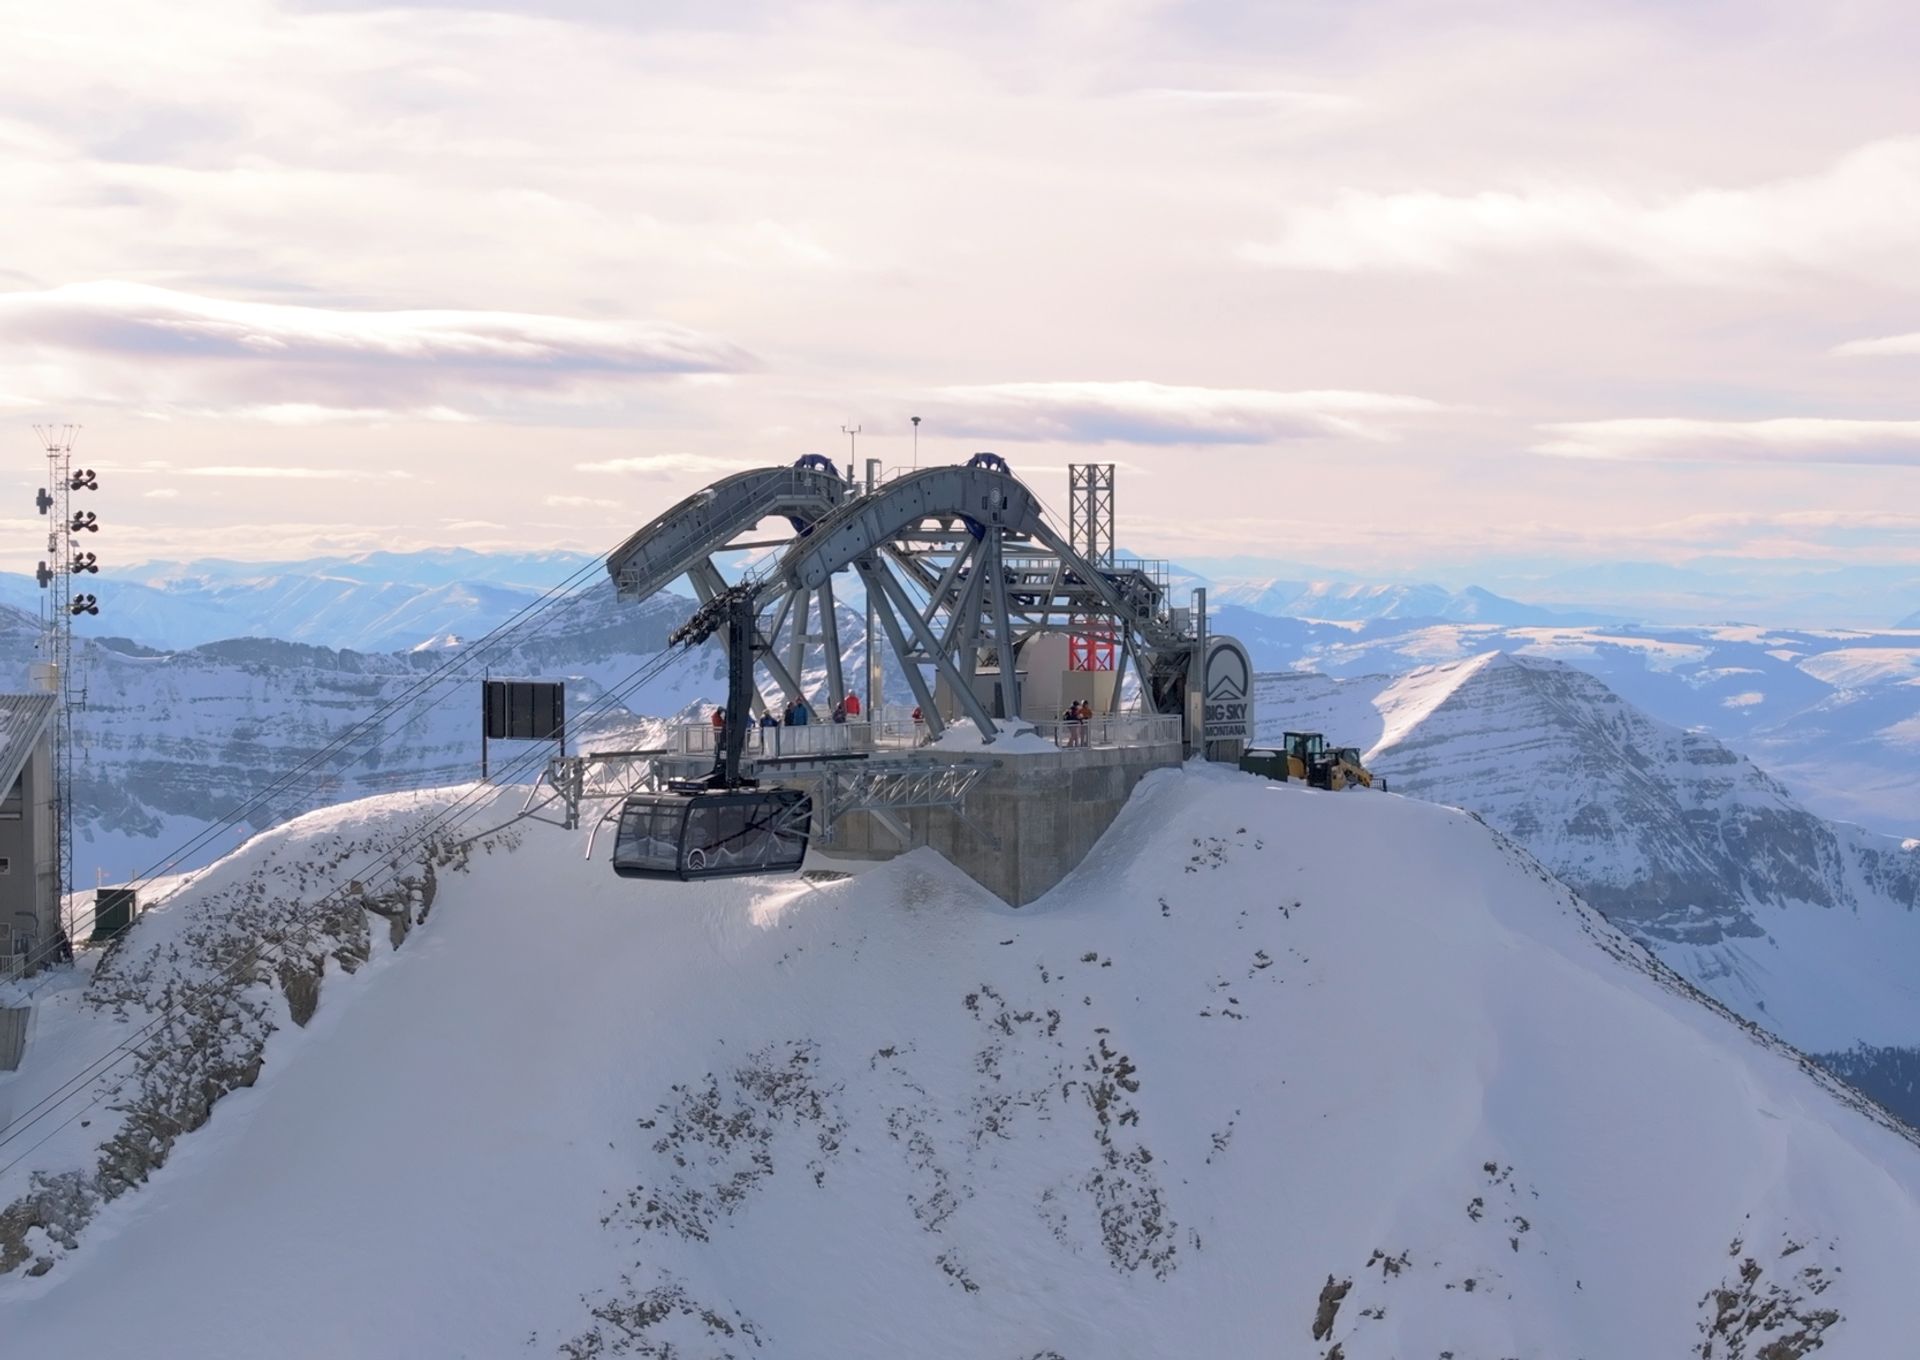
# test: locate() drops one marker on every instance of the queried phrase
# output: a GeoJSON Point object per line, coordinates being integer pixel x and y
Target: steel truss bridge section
{"type": "Point", "coordinates": [959, 564]}
{"type": "Point", "coordinates": [579, 780]}
{"type": "Point", "coordinates": [881, 788]}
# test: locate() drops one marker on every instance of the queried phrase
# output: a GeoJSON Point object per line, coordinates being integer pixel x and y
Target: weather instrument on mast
{"type": "Point", "coordinates": [61, 606]}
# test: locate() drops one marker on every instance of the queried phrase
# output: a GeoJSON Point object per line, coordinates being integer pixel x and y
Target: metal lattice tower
{"type": "Point", "coordinates": [1090, 529]}
{"type": "Point", "coordinates": [60, 606]}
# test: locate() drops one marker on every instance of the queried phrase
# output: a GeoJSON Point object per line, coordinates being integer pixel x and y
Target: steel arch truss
{"type": "Point", "coordinates": [959, 563]}
{"type": "Point", "coordinates": [796, 628]}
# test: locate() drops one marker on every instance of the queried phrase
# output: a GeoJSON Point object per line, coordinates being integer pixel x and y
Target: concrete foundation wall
{"type": "Point", "coordinates": [1046, 810]}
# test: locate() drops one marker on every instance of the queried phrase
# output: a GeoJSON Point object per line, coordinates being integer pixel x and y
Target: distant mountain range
{"type": "Point", "coordinates": [1805, 926]}
{"type": "Point", "coordinates": [1804, 593]}
{"type": "Point", "coordinates": [387, 601]}
{"type": "Point", "coordinates": [374, 602]}
{"type": "Point", "coordinates": [172, 741]}
{"type": "Point", "coordinates": [1348, 601]}
{"type": "Point", "coordinates": [1833, 713]}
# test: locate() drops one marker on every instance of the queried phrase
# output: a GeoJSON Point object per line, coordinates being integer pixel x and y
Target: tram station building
{"type": "Point", "coordinates": [29, 905]}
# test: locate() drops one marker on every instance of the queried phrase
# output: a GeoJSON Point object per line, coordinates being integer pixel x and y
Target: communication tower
{"type": "Point", "coordinates": [1090, 529]}
{"type": "Point", "coordinates": [61, 604]}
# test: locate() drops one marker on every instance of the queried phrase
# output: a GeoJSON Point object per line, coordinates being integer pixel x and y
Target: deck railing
{"type": "Point", "coordinates": [864, 738]}
{"type": "Point", "coordinates": [1115, 730]}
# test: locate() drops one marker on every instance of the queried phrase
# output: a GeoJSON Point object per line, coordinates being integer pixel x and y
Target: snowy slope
{"type": "Point", "coordinates": [1807, 926]}
{"type": "Point", "coordinates": [1274, 1074]}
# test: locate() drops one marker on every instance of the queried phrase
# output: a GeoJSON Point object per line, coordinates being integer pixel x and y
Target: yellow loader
{"type": "Point", "coordinates": [1320, 766]}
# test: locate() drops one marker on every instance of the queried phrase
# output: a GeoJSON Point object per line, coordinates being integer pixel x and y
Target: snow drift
{"type": "Point", "coordinates": [1274, 1073]}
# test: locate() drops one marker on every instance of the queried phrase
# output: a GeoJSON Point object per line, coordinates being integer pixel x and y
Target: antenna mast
{"type": "Point", "coordinates": [852, 432]}
{"type": "Point", "coordinates": [1090, 529]}
{"type": "Point", "coordinates": [60, 606]}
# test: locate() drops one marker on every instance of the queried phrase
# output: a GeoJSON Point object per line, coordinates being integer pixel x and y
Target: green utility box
{"type": "Point", "coordinates": [113, 911]}
{"type": "Point", "coordinates": [1268, 762]}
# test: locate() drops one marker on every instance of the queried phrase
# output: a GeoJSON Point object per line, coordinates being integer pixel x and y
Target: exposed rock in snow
{"type": "Point", "coordinates": [178, 1013]}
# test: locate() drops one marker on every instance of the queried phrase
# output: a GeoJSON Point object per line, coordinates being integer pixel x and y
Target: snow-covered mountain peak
{"type": "Point", "coordinates": [1276, 1072]}
{"type": "Point", "coordinates": [1412, 698]}
{"type": "Point", "coordinates": [1671, 832]}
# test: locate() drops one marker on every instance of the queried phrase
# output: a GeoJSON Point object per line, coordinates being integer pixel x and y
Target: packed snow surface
{"type": "Point", "coordinates": [1275, 1072]}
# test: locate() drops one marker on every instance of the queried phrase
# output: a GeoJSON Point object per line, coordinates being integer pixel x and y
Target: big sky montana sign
{"type": "Point", "coordinates": [1228, 692]}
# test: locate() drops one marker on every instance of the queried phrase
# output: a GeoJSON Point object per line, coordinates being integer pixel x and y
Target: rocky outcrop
{"type": "Point", "coordinates": [202, 1009]}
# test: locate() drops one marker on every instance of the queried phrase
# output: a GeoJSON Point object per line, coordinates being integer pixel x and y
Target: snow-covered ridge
{"type": "Point", "coordinates": [1274, 1072]}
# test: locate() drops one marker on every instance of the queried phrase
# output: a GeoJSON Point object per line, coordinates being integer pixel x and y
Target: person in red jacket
{"type": "Point", "coordinates": [853, 705]}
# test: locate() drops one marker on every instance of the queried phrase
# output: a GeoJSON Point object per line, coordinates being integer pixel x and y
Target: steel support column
{"type": "Point", "coordinates": [871, 575]}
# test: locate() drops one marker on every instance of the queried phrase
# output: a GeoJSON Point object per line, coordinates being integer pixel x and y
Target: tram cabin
{"type": "Point", "coordinates": [713, 833]}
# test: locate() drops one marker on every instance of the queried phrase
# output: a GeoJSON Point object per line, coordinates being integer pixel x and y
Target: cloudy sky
{"type": "Point", "coordinates": [1410, 289]}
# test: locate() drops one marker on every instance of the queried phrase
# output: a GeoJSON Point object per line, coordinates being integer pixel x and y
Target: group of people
{"type": "Point", "coordinates": [799, 714]}
{"type": "Point", "coordinates": [796, 714]}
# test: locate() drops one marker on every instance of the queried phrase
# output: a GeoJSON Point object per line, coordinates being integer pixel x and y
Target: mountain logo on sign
{"type": "Point", "coordinates": [1227, 678]}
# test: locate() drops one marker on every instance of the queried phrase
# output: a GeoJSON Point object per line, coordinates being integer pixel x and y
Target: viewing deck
{"type": "Point", "coordinates": [818, 740]}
